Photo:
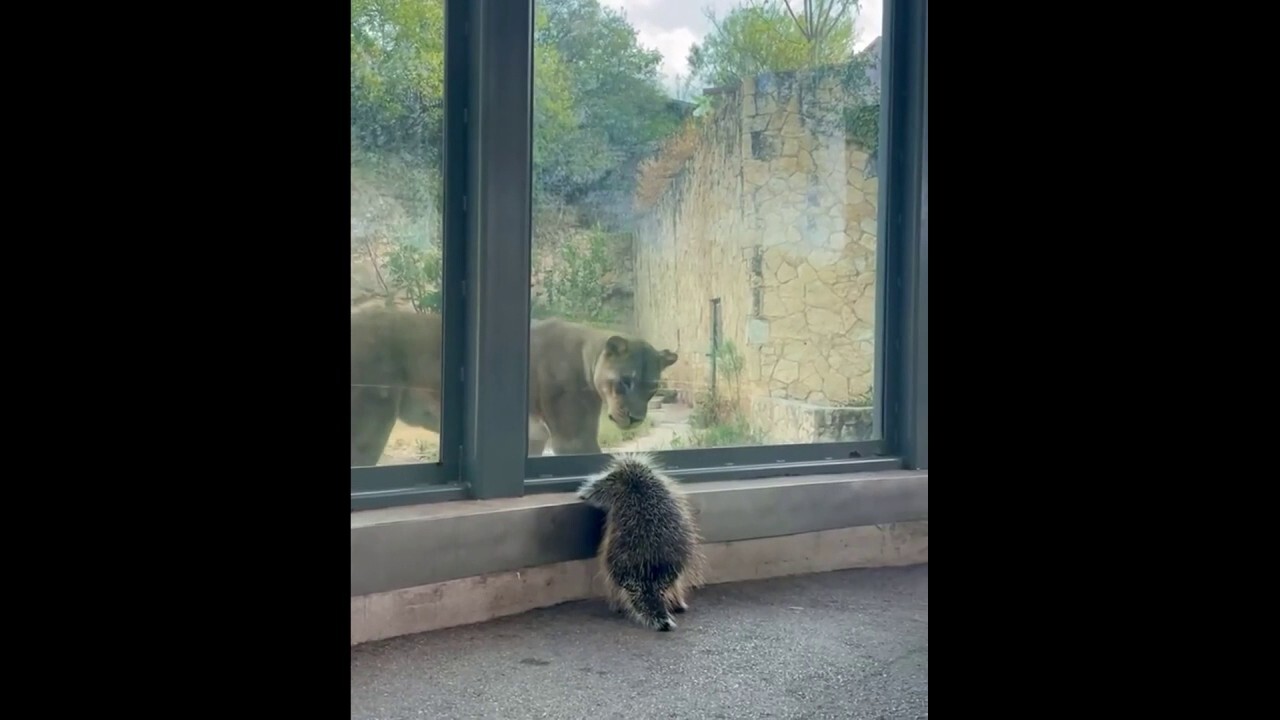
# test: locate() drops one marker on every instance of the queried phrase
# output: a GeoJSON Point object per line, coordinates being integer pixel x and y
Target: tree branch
{"type": "Point", "coordinates": [368, 246]}
{"type": "Point", "coordinates": [800, 26]}
{"type": "Point", "coordinates": [844, 8]}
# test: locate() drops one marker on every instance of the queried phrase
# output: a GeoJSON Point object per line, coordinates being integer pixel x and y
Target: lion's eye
{"type": "Point", "coordinates": [625, 384]}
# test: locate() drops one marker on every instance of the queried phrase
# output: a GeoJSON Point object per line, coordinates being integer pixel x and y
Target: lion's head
{"type": "Point", "coordinates": [627, 376]}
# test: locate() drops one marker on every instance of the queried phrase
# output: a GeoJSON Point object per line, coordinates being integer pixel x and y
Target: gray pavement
{"type": "Point", "coordinates": [850, 644]}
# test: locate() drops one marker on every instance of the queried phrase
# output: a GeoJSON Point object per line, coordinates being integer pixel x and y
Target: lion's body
{"type": "Point", "coordinates": [395, 374]}
{"type": "Point", "coordinates": [574, 371]}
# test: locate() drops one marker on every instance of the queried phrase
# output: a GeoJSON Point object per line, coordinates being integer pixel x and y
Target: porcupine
{"type": "Point", "coordinates": [649, 555]}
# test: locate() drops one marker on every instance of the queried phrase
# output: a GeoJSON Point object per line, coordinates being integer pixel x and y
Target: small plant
{"type": "Point", "coordinates": [866, 399]}
{"type": "Point", "coordinates": [724, 403]}
{"type": "Point", "coordinates": [862, 125]}
{"type": "Point", "coordinates": [710, 410]}
{"type": "Point", "coordinates": [737, 431]}
{"type": "Point", "coordinates": [427, 451]}
{"type": "Point", "coordinates": [717, 419]}
{"type": "Point", "coordinates": [416, 273]}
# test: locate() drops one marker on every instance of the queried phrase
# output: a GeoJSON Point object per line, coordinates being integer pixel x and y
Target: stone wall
{"type": "Point", "coordinates": [694, 246]}
{"type": "Point", "coordinates": [774, 213]}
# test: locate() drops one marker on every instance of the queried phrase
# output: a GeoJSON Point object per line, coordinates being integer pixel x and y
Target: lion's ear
{"type": "Point", "coordinates": [668, 358]}
{"type": "Point", "coordinates": [616, 345]}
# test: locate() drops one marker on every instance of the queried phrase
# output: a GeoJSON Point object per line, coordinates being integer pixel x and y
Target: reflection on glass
{"type": "Point", "coordinates": [704, 235]}
{"type": "Point", "coordinates": [397, 108]}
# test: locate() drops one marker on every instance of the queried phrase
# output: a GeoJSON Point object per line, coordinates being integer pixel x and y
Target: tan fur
{"type": "Point", "coordinates": [395, 374]}
{"type": "Point", "coordinates": [576, 370]}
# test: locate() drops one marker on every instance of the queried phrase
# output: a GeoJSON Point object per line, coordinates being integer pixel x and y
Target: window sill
{"type": "Point", "coordinates": [412, 546]}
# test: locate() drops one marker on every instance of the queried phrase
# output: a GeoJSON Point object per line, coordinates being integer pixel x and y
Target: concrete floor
{"type": "Point", "coordinates": [850, 644]}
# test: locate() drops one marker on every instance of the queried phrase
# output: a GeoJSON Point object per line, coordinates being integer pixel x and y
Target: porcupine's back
{"type": "Point", "coordinates": [649, 520]}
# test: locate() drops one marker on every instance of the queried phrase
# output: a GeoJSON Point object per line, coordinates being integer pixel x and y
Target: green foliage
{"type": "Point", "coordinates": [597, 100]}
{"type": "Point", "coordinates": [416, 273]}
{"type": "Point", "coordinates": [397, 76]}
{"type": "Point", "coordinates": [611, 109]}
{"type": "Point", "coordinates": [730, 361]}
{"type": "Point", "coordinates": [615, 82]}
{"type": "Point", "coordinates": [736, 431]}
{"type": "Point", "coordinates": [723, 405]}
{"type": "Point", "coordinates": [573, 284]}
{"type": "Point", "coordinates": [380, 177]}
{"type": "Point", "coordinates": [712, 410]}
{"type": "Point", "coordinates": [764, 37]}
{"type": "Point", "coordinates": [862, 125]}
{"type": "Point", "coordinates": [866, 399]}
{"type": "Point", "coordinates": [566, 151]}
{"type": "Point", "coordinates": [717, 419]}
{"type": "Point", "coordinates": [703, 106]}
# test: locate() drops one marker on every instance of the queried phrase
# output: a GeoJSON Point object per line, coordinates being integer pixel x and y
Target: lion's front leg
{"type": "Point", "coordinates": [373, 416]}
{"type": "Point", "coordinates": [575, 446]}
{"type": "Point", "coordinates": [538, 436]}
{"type": "Point", "coordinates": [575, 427]}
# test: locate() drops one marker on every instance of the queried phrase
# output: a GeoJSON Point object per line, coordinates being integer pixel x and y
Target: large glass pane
{"type": "Point", "coordinates": [397, 112]}
{"type": "Point", "coordinates": [705, 223]}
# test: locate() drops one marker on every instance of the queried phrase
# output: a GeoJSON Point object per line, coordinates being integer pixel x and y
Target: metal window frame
{"type": "Point", "coordinates": [916, 449]}
{"type": "Point", "coordinates": [488, 198]}
{"type": "Point", "coordinates": [383, 486]}
{"type": "Point", "coordinates": [903, 246]}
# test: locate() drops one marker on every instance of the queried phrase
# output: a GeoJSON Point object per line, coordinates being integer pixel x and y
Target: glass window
{"type": "Point", "coordinates": [397, 115]}
{"type": "Point", "coordinates": [705, 224]}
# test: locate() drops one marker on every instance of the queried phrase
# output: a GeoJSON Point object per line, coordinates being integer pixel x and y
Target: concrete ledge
{"type": "Point", "coordinates": [425, 545]}
{"type": "Point", "coordinates": [469, 600]}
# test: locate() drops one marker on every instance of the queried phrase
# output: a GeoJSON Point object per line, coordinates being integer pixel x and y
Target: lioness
{"type": "Point", "coordinates": [395, 373]}
{"type": "Point", "coordinates": [574, 371]}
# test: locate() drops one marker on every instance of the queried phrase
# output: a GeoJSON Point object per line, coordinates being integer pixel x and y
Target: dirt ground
{"type": "Point", "coordinates": [409, 444]}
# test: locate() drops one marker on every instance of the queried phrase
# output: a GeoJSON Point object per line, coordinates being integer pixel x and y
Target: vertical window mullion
{"type": "Point", "coordinates": [496, 291]}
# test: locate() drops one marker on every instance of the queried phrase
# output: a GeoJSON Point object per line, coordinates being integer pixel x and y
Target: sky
{"type": "Point", "coordinates": [671, 26]}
